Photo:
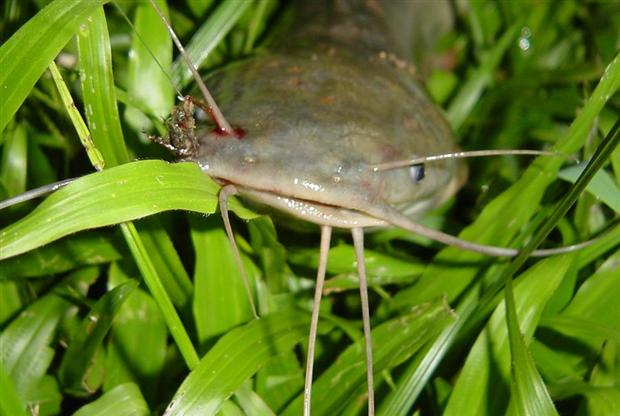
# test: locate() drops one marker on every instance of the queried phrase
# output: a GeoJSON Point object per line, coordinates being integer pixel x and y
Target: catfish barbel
{"type": "Point", "coordinates": [330, 127]}
{"type": "Point", "coordinates": [309, 130]}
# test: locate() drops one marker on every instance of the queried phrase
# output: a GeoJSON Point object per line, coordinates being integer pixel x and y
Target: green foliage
{"type": "Point", "coordinates": [78, 335]}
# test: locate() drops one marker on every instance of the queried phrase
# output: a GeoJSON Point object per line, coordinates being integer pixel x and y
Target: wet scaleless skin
{"type": "Point", "coordinates": [316, 112]}
{"type": "Point", "coordinates": [310, 119]}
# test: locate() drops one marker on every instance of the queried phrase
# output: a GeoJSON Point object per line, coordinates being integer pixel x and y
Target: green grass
{"type": "Point", "coordinates": [78, 334]}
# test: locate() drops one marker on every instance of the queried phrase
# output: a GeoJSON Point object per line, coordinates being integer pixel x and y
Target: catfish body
{"type": "Point", "coordinates": [328, 101]}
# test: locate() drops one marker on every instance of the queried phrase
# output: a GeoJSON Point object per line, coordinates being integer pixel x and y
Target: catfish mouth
{"type": "Point", "coordinates": [308, 210]}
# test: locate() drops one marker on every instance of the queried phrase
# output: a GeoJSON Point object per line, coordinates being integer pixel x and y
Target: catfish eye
{"type": "Point", "coordinates": [417, 172]}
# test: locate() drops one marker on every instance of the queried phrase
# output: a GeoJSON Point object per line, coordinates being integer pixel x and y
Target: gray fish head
{"type": "Point", "coordinates": [313, 127]}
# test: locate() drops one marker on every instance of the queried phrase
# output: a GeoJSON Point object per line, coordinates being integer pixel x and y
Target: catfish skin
{"type": "Point", "coordinates": [330, 99]}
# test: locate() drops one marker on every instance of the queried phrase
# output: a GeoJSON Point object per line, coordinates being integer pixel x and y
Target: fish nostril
{"type": "Point", "coordinates": [249, 159]}
{"type": "Point", "coordinates": [336, 175]}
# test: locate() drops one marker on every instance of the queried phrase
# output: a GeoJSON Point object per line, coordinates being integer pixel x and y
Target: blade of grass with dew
{"type": "Point", "coordinates": [127, 192]}
{"type": "Point", "coordinates": [98, 90]}
{"type": "Point", "coordinates": [104, 121]}
{"type": "Point", "coordinates": [46, 33]}
{"type": "Point", "coordinates": [115, 195]}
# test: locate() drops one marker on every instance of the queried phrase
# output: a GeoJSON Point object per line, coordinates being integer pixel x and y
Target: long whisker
{"type": "Point", "coordinates": [460, 155]}
{"type": "Point", "coordinates": [148, 49]}
{"type": "Point", "coordinates": [35, 193]}
{"type": "Point", "coordinates": [399, 220]}
{"type": "Point", "coordinates": [215, 113]}
{"type": "Point", "coordinates": [326, 232]}
{"type": "Point", "coordinates": [225, 192]}
{"type": "Point", "coordinates": [358, 242]}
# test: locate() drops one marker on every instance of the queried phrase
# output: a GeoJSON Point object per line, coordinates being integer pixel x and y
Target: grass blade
{"type": "Point", "coordinates": [470, 92]}
{"type": "Point", "coordinates": [76, 361]}
{"type": "Point", "coordinates": [152, 280]}
{"type": "Point", "coordinates": [510, 204]}
{"type": "Point", "coordinates": [208, 37]}
{"type": "Point", "coordinates": [123, 400]}
{"type": "Point", "coordinates": [531, 396]}
{"type": "Point", "coordinates": [124, 193]}
{"type": "Point", "coordinates": [14, 161]}
{"type": "Point", "coordinates": [25, 343]}
{"type": "Point", "coordinates": [393, 342]}
{"type": "Point", "coordinates": [221, 302]}
{"type": "Point", "coordinates": [151, 46]}
{"type": "Point", "coordinates": [529, 393]}
{"type": "Point", "coordinates": [98, 89]}
{"type": "Point", "coordinates": [10, 405]}
{"type": "Point", "coordinates": [481, 388]}
{"type": "Point", "coordinates": [602, 186]}
{"type": "Point", "coordinates": [46, 33]}
{"type": "Point", "coordinates": [234, 359]}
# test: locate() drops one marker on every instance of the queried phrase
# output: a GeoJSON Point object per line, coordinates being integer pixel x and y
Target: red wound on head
{"type": "Point", "coordinates": [237, 133]}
